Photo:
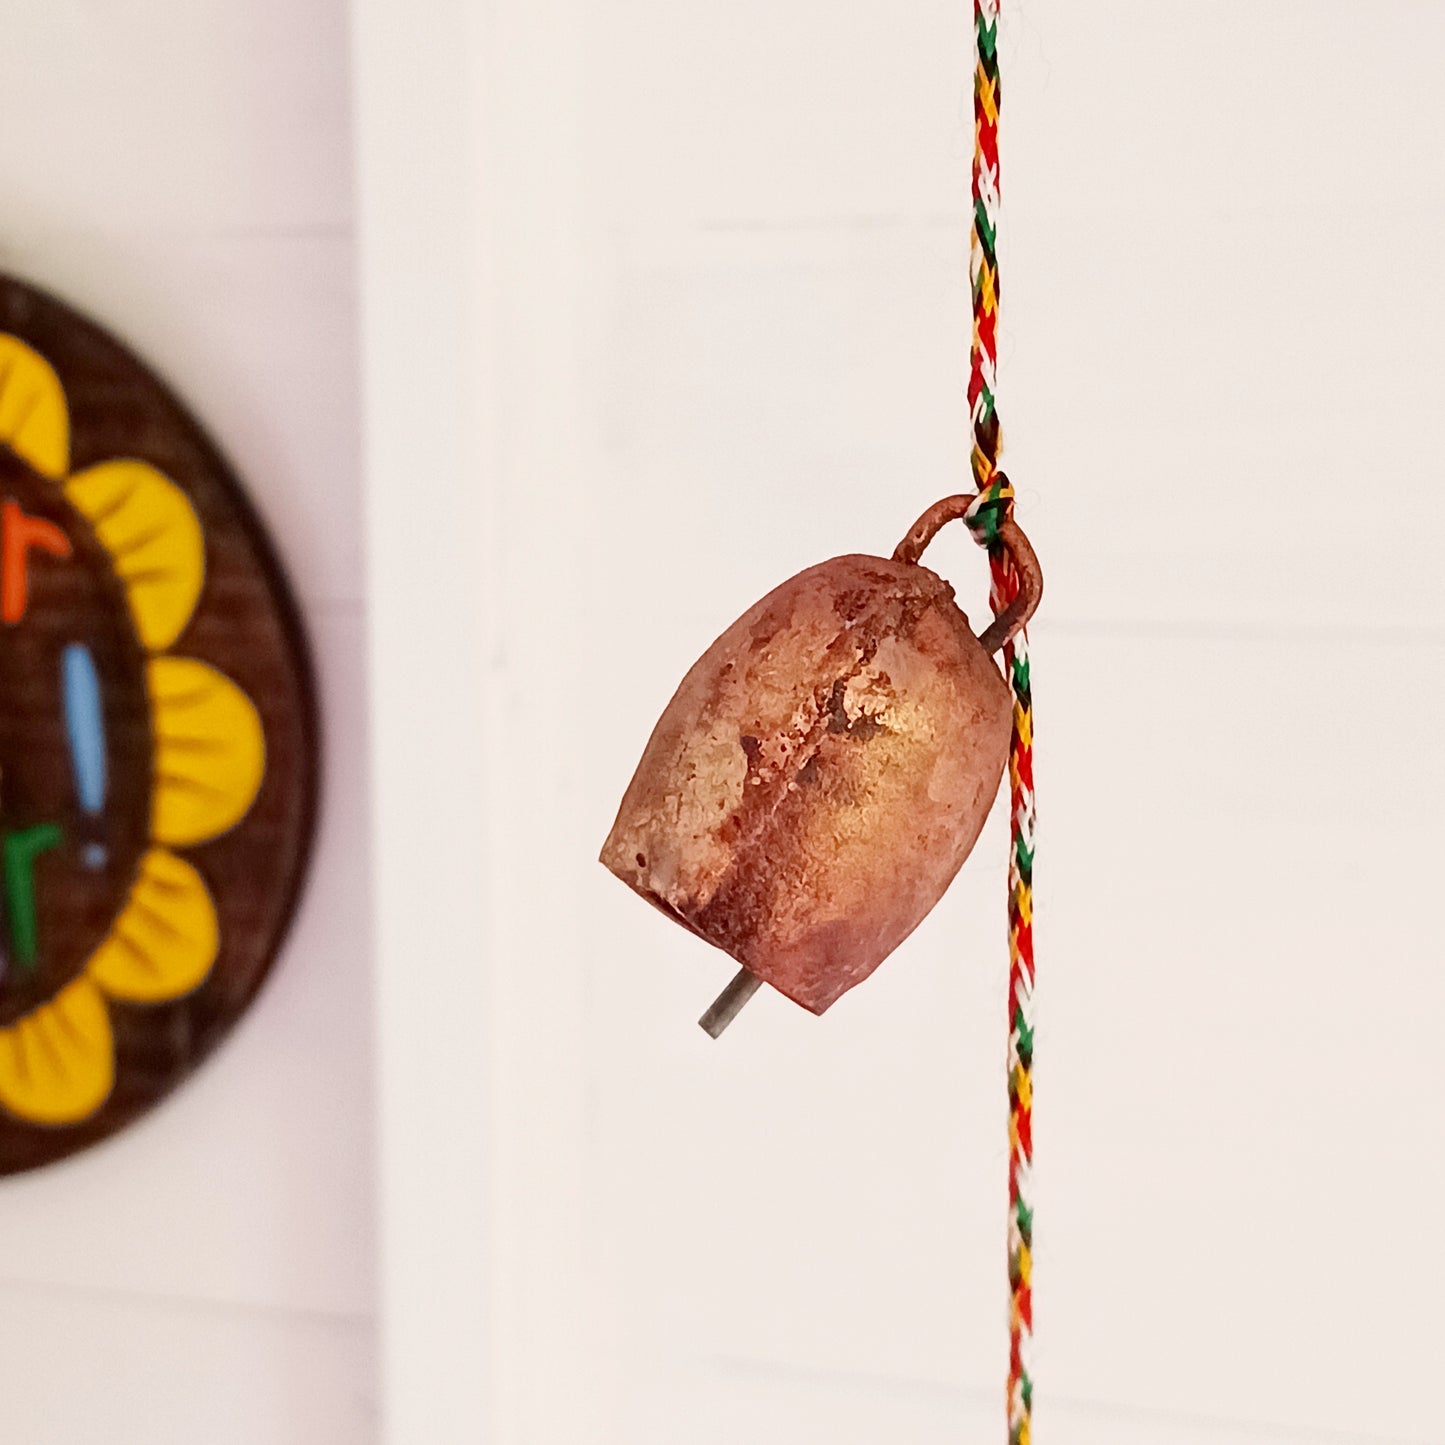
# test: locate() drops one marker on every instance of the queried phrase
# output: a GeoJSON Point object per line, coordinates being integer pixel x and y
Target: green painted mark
{"type": "Point", "coordinates": [20, 852]}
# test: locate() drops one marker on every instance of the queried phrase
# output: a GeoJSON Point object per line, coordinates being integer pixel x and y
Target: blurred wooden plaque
{"type": "Point", "coordinates": [158, 753]}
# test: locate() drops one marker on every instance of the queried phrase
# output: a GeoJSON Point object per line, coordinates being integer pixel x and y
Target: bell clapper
{"type": "Point", "coordinates": [728, 1004]}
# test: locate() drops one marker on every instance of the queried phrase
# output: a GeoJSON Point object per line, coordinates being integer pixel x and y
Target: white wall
{"type": "Point", "coordinates": [721, 280]}
{"type": "Point", "coordinates": [431, 424]}
{"type": "Point", "coordinates": [182, 170]}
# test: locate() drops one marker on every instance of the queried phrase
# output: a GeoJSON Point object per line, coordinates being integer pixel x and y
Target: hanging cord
{"type": "Point", "coordinates": [995, 503]}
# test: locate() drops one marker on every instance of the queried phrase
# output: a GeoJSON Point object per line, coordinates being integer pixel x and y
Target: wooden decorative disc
{"type": "Point", "coordinates": [158, 756]}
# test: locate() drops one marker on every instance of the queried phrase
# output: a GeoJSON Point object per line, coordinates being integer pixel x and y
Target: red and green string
{"type": "Point", "coordinates": [995, 501]}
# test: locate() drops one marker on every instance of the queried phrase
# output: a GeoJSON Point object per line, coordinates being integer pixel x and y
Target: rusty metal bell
{"type": "Point", "coordinates": [824, 769]}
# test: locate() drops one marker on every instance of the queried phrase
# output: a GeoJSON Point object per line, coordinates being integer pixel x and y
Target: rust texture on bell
{"type": "Point", "coordinates": [824, 769]}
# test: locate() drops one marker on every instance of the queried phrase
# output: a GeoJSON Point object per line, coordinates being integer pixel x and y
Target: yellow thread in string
{"type": "Point", "coordinates": [987, 292]}
{"type": "Point", "coordinates": [988, 95]}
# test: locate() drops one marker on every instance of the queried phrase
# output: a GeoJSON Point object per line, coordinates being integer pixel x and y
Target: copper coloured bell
{"type": "Point", "coordinates": [824, 769]}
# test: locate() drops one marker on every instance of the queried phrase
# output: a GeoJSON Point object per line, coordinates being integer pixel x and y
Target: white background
{"type": "Point", "coordinates": [698, 320]}
{"type": "Point", "coordinates": [660, 303]}
{"type": "Point", "coordinates": [181, 169]}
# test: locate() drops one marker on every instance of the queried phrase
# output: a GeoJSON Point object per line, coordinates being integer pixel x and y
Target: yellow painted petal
{"type": "Point", "coordinates": [34, 422]}
{"type": "Point", "coordinates": [57, 1064]}
{"type": "Point", "coordinates": [210, 751]}
{"type": "Point", "coordinates": [151, 531]}
{"type": "Point", "coordinates": [165, 940]}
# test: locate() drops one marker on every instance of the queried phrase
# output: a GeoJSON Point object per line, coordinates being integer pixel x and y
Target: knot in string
{"type": "Point", "coordinates": [989, 510]}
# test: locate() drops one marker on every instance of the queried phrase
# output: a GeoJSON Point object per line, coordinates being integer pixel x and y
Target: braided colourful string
{"type": "Point", "coordinates": [995, 501]}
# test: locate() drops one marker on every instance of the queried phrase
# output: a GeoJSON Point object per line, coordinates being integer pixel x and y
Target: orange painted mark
{"type": "Point", "coordinates": [19, 532]}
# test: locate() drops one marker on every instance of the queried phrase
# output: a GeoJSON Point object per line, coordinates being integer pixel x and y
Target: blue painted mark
{"type": "Point", "coordinates": [85, 730]}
